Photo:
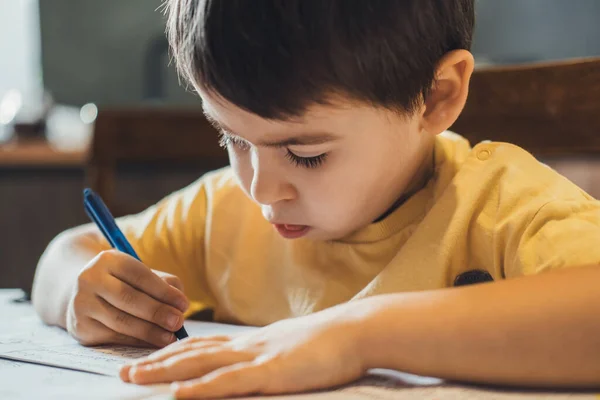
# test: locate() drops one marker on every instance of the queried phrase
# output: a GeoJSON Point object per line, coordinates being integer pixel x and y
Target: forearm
{"type": "Point", "coordinates": [57, 272]}
{"type": "Point", "coordinates": [537, 331]}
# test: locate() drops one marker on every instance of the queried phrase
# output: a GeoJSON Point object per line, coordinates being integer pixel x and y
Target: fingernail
{"type": "Point", "coordinates": [172, 320]}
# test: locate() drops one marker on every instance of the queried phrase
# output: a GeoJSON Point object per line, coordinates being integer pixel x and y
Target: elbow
{"type": "Point", "coordinates": [42, 280]}
{"type": "Point", "coordinates": [58, 268]}
{"type": "Point", "coordinates": [49, 283]}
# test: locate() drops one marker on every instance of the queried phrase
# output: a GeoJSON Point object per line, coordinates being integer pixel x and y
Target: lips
{"type": "Point", "coordinates": [290, 231]}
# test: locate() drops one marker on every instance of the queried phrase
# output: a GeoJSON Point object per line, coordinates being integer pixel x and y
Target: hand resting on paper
{"type": "Point", "coordinates": [305, 353]}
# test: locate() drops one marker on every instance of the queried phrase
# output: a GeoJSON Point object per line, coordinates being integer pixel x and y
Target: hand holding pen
{"type": "Point", "coordinates": [119, 300]}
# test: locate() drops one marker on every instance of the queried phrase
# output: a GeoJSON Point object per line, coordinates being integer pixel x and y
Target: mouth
{"type": "Point", "coordinates": [289, 231]}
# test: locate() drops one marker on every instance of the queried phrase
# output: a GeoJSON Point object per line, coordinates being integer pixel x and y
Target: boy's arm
{"type": "Point", "coordinates": [58, 268]}
{"type": "Point", "coordinates": [539, 330]}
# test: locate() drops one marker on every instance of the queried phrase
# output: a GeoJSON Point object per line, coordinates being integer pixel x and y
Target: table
{"type": "Point", "coordinates": [20, 380]}
{"type": "Point", "coordinates": [29, 381]}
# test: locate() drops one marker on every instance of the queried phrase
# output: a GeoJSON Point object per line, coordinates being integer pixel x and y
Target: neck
{"type": "Point", "coordinates": [421, 177]}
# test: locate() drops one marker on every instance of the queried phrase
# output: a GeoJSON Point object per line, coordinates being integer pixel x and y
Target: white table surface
{"type": "Point", "coordinates": [19, 380]}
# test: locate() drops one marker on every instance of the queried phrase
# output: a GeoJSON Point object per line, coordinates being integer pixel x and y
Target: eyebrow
{"type": "Point", "coordinates": [299, 140]}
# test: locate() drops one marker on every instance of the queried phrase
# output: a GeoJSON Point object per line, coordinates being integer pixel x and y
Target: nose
{"type": "Point", "coordinates": [269, 185]}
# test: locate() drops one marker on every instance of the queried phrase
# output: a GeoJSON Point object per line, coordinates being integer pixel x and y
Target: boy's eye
{"type": "Point", "coordinates": [306, 162]}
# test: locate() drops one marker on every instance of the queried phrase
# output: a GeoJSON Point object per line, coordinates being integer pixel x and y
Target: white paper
{"type": "Point", "coordinates": [24, 337]}
{"type": "Point", "coordinates": [52, 346]}
{"type": "Point", "coordinates": [22, 381]}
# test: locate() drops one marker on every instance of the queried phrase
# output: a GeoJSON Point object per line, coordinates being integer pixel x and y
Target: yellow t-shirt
{"type": "Point", "coordinates": [492, 208]}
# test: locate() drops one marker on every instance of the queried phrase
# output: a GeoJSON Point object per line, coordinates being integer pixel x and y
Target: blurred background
{"type": "Point", "coordinates": [63, 60]}
{"type": "Point", "coordinates": [114, 52]}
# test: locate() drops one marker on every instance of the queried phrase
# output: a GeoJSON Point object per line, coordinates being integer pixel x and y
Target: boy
{"type": "Point", "coordinates": [348, 214]}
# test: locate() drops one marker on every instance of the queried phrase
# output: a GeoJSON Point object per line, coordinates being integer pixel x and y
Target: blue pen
{"type": "Point", "coordinates": [98, 212]}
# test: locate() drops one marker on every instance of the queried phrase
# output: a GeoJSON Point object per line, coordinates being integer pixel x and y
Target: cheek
{"type": "Point", "coordinates": [334, 194]}
{"type": "Point", "coordinates": [344, 195]}
{"type": "Point", "coordinates": [338, 213]}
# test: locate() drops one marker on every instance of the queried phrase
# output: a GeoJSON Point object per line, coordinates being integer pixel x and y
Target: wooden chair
{"type": "Point", "coordinates": [149, 137]}
{"type": "Point", "coordinates": [550, 109]}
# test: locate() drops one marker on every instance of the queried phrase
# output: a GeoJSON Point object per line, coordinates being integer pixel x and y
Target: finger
{"type": "Point", "coordinates": [187, 365]}
{"type": "Point", "coordinates": [181, 346]}
{"type": "Point", "coordinates": [236, 380]}
{"type": "Point", "coordinates": [130, 325]}
{"type": "Point", "coordinates": [162, 355]}
{"type": "Point", "coordinates": [189, 343]}
{"type": "Point", "coordinates": [132, 301]}
{"type": "Point", "coordinates": [211, 338]}
{"type": "Point", "coordinates": [177, 348]}
{"type": "Point", "coordinates": [98, 333]}
{"type": "Point", "coordinates": [142, 278]}
{"type": "Point", "coordinates": [170, 279]}
{"type": "Point", "coordinates": [173, 281]}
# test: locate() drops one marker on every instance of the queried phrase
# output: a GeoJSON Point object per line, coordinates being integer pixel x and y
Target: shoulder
{"type": "Point", "coordinates": [507, 182]}
{"type": "Point", "coordinates": [517, 172]}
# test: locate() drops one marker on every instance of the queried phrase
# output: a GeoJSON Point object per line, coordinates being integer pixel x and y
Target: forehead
{"type": "Point", "coordinates": [338, 113]}
{"type": "Point", "coordinates": [262, 132]}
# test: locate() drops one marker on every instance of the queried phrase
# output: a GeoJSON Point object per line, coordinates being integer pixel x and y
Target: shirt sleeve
{"type": "Point", "coordinates": [169, 237]}
{"type": "Point", "coordinates": [561, 233]}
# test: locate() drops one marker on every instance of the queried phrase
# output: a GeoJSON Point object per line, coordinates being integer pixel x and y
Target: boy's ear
{"type": "Point", "coordinates": [448, 95]}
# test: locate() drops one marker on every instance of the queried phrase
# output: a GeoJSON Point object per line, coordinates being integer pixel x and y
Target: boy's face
{"type": "Point", "coordinates": [328, 174]}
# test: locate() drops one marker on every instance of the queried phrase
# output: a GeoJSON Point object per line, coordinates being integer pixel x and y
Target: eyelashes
{"type": "Point", "coordinates": [226, 140]}
{"type": "Point", "coordinates": [306, 162]}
